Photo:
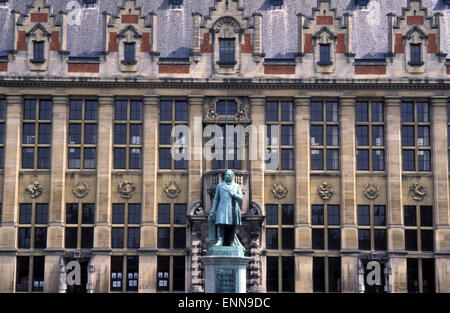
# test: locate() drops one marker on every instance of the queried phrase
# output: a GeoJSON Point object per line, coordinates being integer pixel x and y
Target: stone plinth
{"type": "Point", "coordinates": [225, 270]}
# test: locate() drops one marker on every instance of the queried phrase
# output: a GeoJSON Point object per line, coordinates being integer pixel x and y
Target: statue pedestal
{"type": "Point", "coordinates": [225, 270]}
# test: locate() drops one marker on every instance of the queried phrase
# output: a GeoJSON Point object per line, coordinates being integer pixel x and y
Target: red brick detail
{"type": "Point", "coordinates": [341, 46]}
{"type": "Point", "coordinates": [432, 45]}
{"type": "Point", "coordinates": [206, 46]}
{"type": "Point", "coordinates": [22, 41]}
{"type": "Point", "coordinates": [130, 19]}
{"type": "Point", "coordinates": [308, 47]}
{"type": "Point", "coordinates": [279, 69]}
{"type": "Point", "coordinates": [39, 17]}
{"type": "Point", "coordinates": [54, 43]}
{"type": "Point", "coordinates": [247, 47]}
{"type": "Point", "coordinates": [370, 69]}
{"type": "Point", "coordinates": [448, 69]}
{"type": "Point", "coordinates": [324, 20]}
{"type": "Point", "coordinates": [399, 47]}
{"type": "Point", "coordinates": [84, 68]}
{"type": "Point", "coordinates": [145, 45]}
{"type": "Point", "coordinates": [113, 46]}
{"type": "Point", "coordinates": [174, 68]}
{"type": "Point", "coordinates": [415, 20]}
{"type": "Point", "coordinates": [3, 67]}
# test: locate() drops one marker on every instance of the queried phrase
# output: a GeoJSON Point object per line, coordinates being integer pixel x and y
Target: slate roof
{"type": "Point", "coordinates": [279, 26]}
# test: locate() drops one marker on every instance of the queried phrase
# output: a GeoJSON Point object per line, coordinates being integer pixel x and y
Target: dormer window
{"type": "Point", "coordinates": [176, 4]}
{"type": "Point", "coordinates": [325, 55]}
{"type": "Point", "coordinates": [38, 52]}
{"type": "Point", "coordinates": [226, 51]}
{"type": "Point", "coordinates": [3, 2]}
{"type": "Point", "coordinates": [130, 53]}
{"type": "Point", "coordinates": [276, 4]}
{"type": "Point", "coordinates": [90, 3]}
{"type": "Point", "coordinates": [416, 54]}
{"type": "Point", "coordinates": [362, 4]}
{"type": "Point", "coordinates": [226, 107]}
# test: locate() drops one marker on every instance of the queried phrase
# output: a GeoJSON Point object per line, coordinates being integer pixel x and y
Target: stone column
{"type": "Point", "coordinates": [8, 230]}
{"type": "Point", "coordinates": [148, 250]}
{"type": "Point", "coordinates": [441, 187]}
{"type": "Point", "coordinates": [302, 220]}
{"type": "Point", "coordinates": [102, 232]}
{"type": "Point", "coordinates": [257, 167]}
{"type": "Point", "coordinates": [396, 241]}
{"type": "Point", "coordinates": [55, 234]}
{"type": "Point", "coordinates": [257, 33]}
{"type": "Point", "coordinates": [349, 235]}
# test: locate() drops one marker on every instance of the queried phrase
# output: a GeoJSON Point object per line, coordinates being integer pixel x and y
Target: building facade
{"type": "Point", "coordinates": [349, 98]}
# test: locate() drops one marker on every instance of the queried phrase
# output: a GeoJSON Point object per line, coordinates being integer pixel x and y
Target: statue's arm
{"type": "Point", "coordinates": [238, 194]}
{"type": "Point", "coordinates": [214, 205]}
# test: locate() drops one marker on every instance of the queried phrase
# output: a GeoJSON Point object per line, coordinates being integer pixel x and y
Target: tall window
{"type": "Point", "coordinates": [128, 134]}
{"type": "Point", "coordinates": [124, 273]}
{"type": "Point", "coordinates": [280, 273]}
{"type": "Point", "coordinates": [324, 136]}
{"type": "Point", "coordinates": [172, 113]}
{"type": "Point", "coordinates": [38, 51]}
{"type": "Point", "coordinates": [176, 4]}
{"type": "Point", "coordinates": [126, 230]}
{"type": "Point", "coordinates": [280, 226]}
{"type": "Point", "coordinates": [80, 226]}
{"type": "Point", "coordinates": [36, 134]}
{"type": "Point", "coordinates": [276, 4]}
{"type": "Point", "coordinates": [171, 272]}
{"type": "Point", "coordinates": [30, 273]}
{"type": "Point", "coordinates": [172, 226]}
{"type": "Point", "coordinates": [226, 47]}
{"type": "Point", "coordinates": [372, 227]}
{"type": "Point", "coordinates": [130, 53]}
{"type": "Point", "coordinates": [326, 232]}
{"type": "Point", "coordinates": [326, 274]}
{"type": "Point", "coordinates": [416, 136]}
{"type": "Point", "coordinates": [416, 54]}
{"type": "Point", "coordinates": [83, 134]}
{"type": "Point", "coordinates": [325, 55]}
{"type": "Point", "coordinates": [2, 132]}
{"type": "Point", "coordinates": [370, 136]}
{"type": "Point", "coordinates": [33, 222]}
{"type": "Point", "coordinates": [420, 273]}
{"type": "Point", "coordinates": [418, 228]}
{"type": "Point", "coordinates": [280, 135]}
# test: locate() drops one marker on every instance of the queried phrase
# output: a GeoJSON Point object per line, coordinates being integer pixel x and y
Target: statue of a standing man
{"type": "Point", "coordinates": [225, 212]}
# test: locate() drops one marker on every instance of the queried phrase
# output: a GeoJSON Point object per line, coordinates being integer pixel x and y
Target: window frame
{"type": "Point", "coordinates": [80, 225]}
{"type": "Point", "coordinates": [372, 227]}
{"type": "Point", "coordinates": [32, 226]}
{"type": "Point", "coordinates": [281, 279]}
{"type": "Point", "coordinates": [326, 227]}
{"type": "Point", "coordinates": [125, 226]}
{"type": "Point", "coordinates": [171, 226]}
{"type": "Point", "coordinates": [418, 228]}
{"type": "Point", "coordinates": [3, 112]}
{"type": "Point", "coordinates": [125, 273]}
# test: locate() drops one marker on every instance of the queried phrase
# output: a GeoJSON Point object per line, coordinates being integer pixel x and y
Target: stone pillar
{"type": "Point", "coordinates": [257, 33]}
{"type": "Point", "coordinates": [441, 195]}
{"type": "Point", "coordinates": [398, 274]}
{"type": "Point", "coordinates": [304, 273]}
{"type": "Point", "coordinates": [8, 230]}
{"type": "Point", "coordinates": [257, 167]}
{"type": "Point", "coordinates": [148, 250]}
{"type": "Point", "coordinates": [349, 273]}
{"type": "Point", "coordinates": [196, 281]}
{"type": "Point", "coordinates": [197, 19]}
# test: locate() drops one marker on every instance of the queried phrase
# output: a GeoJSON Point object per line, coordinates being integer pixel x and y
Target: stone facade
{"type": "Point", "coordinates": [202, 80]}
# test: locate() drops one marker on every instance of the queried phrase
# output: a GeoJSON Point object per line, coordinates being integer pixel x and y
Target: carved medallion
{"type": "Point", "coordinates": [325, 191]}
{"type": "Point", "coordinates": [279, 191]}
{"type": "Point", "coordinates": [80, 190]}
{"type": "Point", "coordinates": [371, 191]}
{"type": "Point", "coordinates": [172, 190]}
{"type": "Point", "coordinates": [126, 189]}
{"type": "Point", "coordinates": [417, 192]}
{"type": "Point", "coordinates": [34, 190]}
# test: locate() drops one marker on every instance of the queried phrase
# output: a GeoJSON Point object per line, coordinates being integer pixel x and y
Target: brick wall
{"type": "Point", "coordinates": [247, 47]}
{"type": "Point", "coordinates": [370, 69]}
{"type": "Point", "coordinates": [130, 19]}
{"type": "Point", "coordinates": [415, 20]}
{"type": "Point", "coordinates": [308, 47]}
{"type": "Point", "coordinates": [174, 68]}
{"type": "Point", "coordinates": [22, 41]}
{"type": "Point", "coordinates": [279, 69]}
{"type": "Point", "coordinates": [113, 46]}
{"type": "Point", "coordinates": [341, 46]}
{"type": "Point", "coordinates": [39, 17]}
{"type": "Point", "coordinates": [54, 43]}
{"type": "Point", "coordinates": [432, 45]}
{"type": "Point", "coordinates": [3, 67]}
{"type": "Point", "coordinates": [145, 45]}
{"type": "Point", "coordinates": [83, 68]}
{"type": "Point", "coordinates": [206, 46]}
{"type": "Point", "coordinates": [324, 20]}
{"type": "Point", "coordinates": [399, 47]}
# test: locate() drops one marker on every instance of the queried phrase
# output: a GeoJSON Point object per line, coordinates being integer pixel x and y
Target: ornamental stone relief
{"type": "Point", "coordinates": [371, 191]}
{"type": "Point", "coordinates": [325, 191]}
{"type": "Point", "coordinates": [279, 191]}
{"type": "Point", "coordinates": [172, 190]}
{"type": "Point", "coordinates": [80, 190]}
{"type": "Point", "coordinates": [126, 189]}
{"type": "Point", "coordinates": [417, 192]}
{"type": "Point", "coordinates": [34, 190]}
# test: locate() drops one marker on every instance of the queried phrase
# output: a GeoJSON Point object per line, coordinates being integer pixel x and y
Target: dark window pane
{"type": "Point", "coordinates": [287, 238]}
{"type": "Point", "coordinates": [379, 215]}
{"type": "Point", "coordinates": [362, 112]}
{"type": "Point", "coordinates": [29, 109]}
{"type": "Point", "coordinates": [132, 273]}
{"type": "Point", "coordinates": [121, 108]}
{"type": "Point", "coordinates": [163, 237]}
{"type": "Point", "coordinates": [164, 214]}
{"type": "Point", "coordinates": [377, 112]}
{"type": "Point", "coordinates": [71, 237]}
{"type": "Point", "coordinates": [334, 274]}
{"type": "Point", "coordinates": [332, 136]}
{"type": "Point", "coordinates": [134, 213]}
{"type": "Point", "coordinates": [362, 135]}
{"type": "Point", "coordinates": [424, 159]}
{"type": "Point", "coordinates": [118, 214]}
{"type": "Point", "coordinates": [426, 216]}
{"type": "Point", "coordinates": [116, 273]}
{"type": "Point", "coordinates": [179, 238]}
{"type": "Point", "coordinates": [75, 110]}
{"type": "Point", "coordinates": [74, 158]}
{"type": "Point", "coordinates": [120, 158]}
{"type": "Point", "coordinates": [165, 134]}
{"type": "Point", "coordinates": [410, 216]}
{"type": "Point", "coordinates": [416, 55]}
{"type": "Point", "coordinates": [182, 164]}
{"type": "Point", "coordinates": [23, 273]}
{"type": "Point", "coordinates": [423, 112]}
{"type": "Point", "coordinates": [325, 53]}
{"type": "Point", "coordinates": [287, 112]}
{"type": "Point", "coordinates": [333, 215]}
{"type": "Point", "coordinates": [88, 213]}
{"type": "Point", "coordinates": [87, 237]}
{"type": "Point", "coordinates": [334, 239]}
{"type": "Point", "coordinates": [427, 240]}
{"type": "Point", "coordinates": [412, 274]}
{"type": "Point", "coordinates": [316, 135]}
{"type": "Point", "coordinates": [27, 157]}
{"type": "Point", "coordinates": [91, 110]}
{"type": "Point", "coordinates": [380, 239]}
{"type": "Point", "coordinates": [40, 237]}
{"type": "Point", "coordinates": [316, 111]}
{"type": "Point", "coordinates": [363, 215]}
{"type": "Point", "coordinates": [45, 133]}
{"type": "Point", "coordinates": [41, 213]}
{"type": "Point", "coordinates": [38, 50]}
{"type": "Point", "coordinates": [271, 214]}
{"type": "Point", "coordinates": [272, 238]}
{"type": "Point", "coordinates": [163, 269]}
{"type": "Point", "coordinates": [135, 158]}
{"type": "Point", "coordinates": [2, 109]}
{"type": "Point", "coordinates": [272, 111]}
{"type": "Point", "coordinates": [378, 160]}
{"type": "Point", "coordinates": [38, 273]}
{"type": "Point", "coordinates": [179, 216]}
{"type": "Point", "coordinates": [165, 158]}
{"type": "Point", "coordinates": [24, 237]}
{"type": "Point", "coordinates": [120, 134]}
{"type": "Point", "coordinates": [364, 239]}
{"type": "Point", "coordinates": [377, 136]}
{"type": "Point", "coordinates": [43, 158]}
{"type": "Point", "coordinates": [318, 239]}
{"type": "Point", "coordinates": [318, 274]}
{"type": "Point", "coordinates": [90, 158]}
{"type": "Point", "coordinates": [423, 136]}
{"type": "Point", "coordinates": [408, 160]}
{"type": "Point", "coordinates": [130, 52]}
{"type": "Point", "coordinates": [226, 47]}
{"type": "Point", "coordinates": [288, 274]}
{"type": "Point", "coordinates": [72, 213]}
{"type": "Point", "coordinates": [272, 274]}
{"type": "Point", "coordinates": [25, 213]}
{"type": "Point", "coordinates": [136, 110]}
{"type": "Point", "coordinates": [428, 276]}
{"type": "Point", "coordinates": [165, 111]}
{"type": "Point", "coordinates": [287, 214]}
{"type": "Point", "coordinates": [408, 136]}
{"type": "Point", "coordinates": [90, 134]}
{"type": "Point", "coordinates": [134, 237]}
{"type": "Point", "coordinates": [317, 159]}
{"type": "Point", "coordinates": [181, 111]}
{"type": "Point", "coordinates": [2, 133]}
{"type": "Point", "coordinates": [226, 107]}
{"type": "Point", "coordinates": [287, 159]}
{"type": "Point", "coordinates": [407, 112]}
{"type": "Point", "coordinates": [362, 160]}
{"type": "Point", "coordinates": [29, 133]}
{"type": "Point", "coordinates": [45, 110]}
{"type": "Point", "coordinates": [2, 159]}
{"type": "Point", "coordinates": [411, 240]}
{"type": "Point", "coordinates": [333, 160]}
{"type": "Point", "coordinates": [117, 237]}
{"type": "Point", "coordinates": [317, 214]}
{"type": "Point", "coordinates": [74, 134]}
{"type": "Point", "coordinates": [332, 112]}
{"type": "Point", "coordinates": [287, 135]}
{"type": "Point", "coordinates": [179, 273]}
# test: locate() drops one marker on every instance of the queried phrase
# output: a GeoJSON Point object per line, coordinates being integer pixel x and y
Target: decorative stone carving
{"type": "Point", "coordinates": [279, 190]}
{"type": "Point", "coordinates": [243, 115]}
{"type": "Point", "coordinates": [371, 191]}
{"type": "Point", "coordinates": [126, 189]}
{"type": "Point", "coordinates": [417, 192]}
{"type": "Point", "coordinates": [34, 190]}
{"type": "Point", "coordinates": [211, 114]}
{"type": "Point", "coordinates": [325, 190]}
{"type": "Point", "coordinates": [80, 190]}
{"type": "Point", "coordinates": [171, 190]}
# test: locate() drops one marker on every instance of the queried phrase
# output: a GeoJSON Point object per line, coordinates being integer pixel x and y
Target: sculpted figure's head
{"type": "Point", "coordinates": [229, 176]}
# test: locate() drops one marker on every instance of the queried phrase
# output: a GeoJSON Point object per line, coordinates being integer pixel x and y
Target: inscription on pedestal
{"type": "Point", "coordinates": [225, 281]}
